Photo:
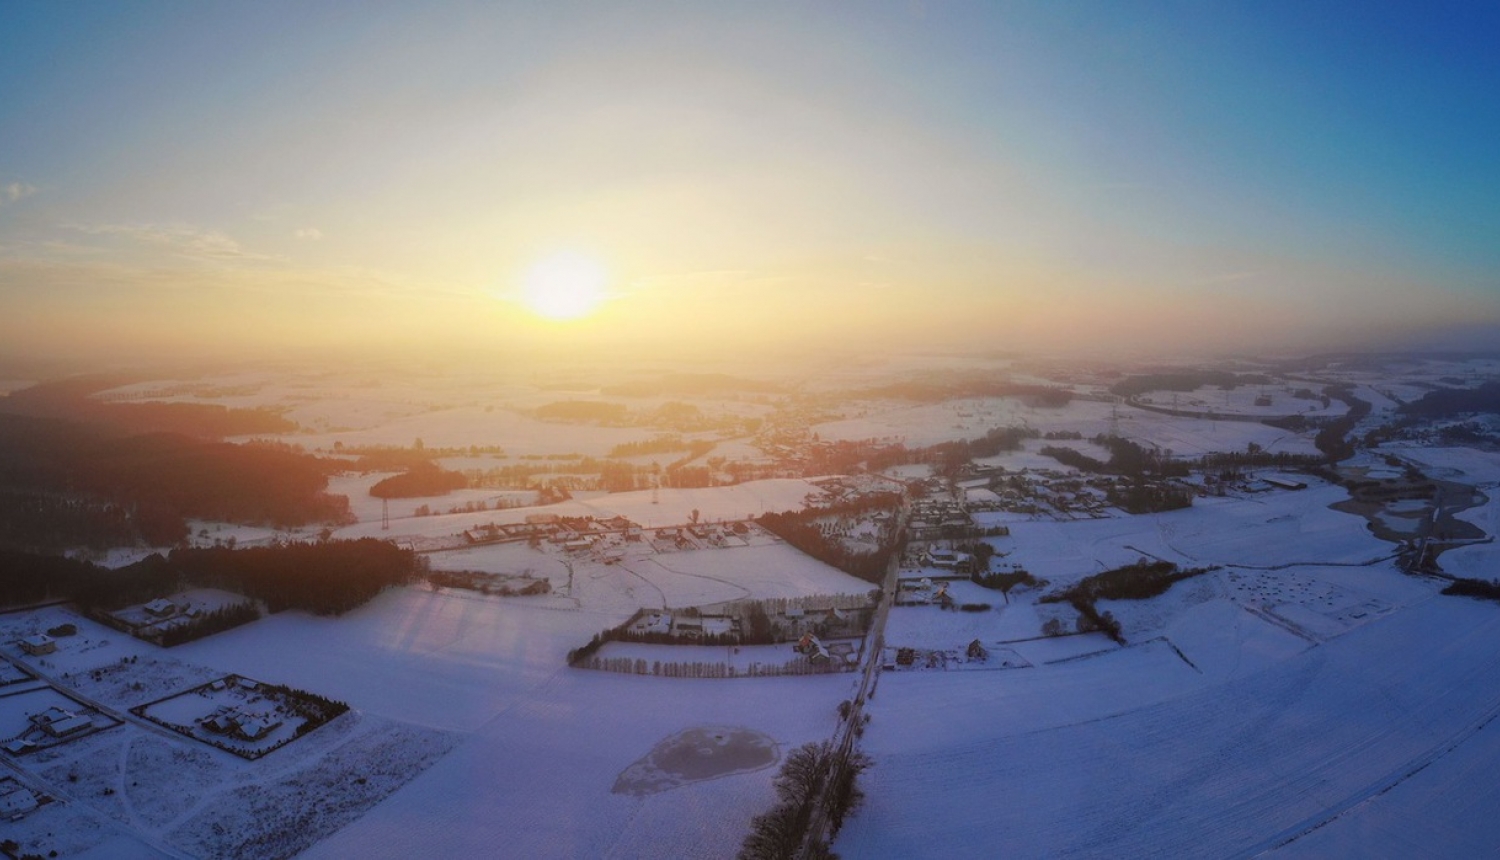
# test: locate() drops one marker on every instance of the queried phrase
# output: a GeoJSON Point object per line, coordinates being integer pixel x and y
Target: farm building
{"type": "Point", "coordinates": [161, 607]}
{"type": "Point", "coordinates": [38, 645]}
{"type": "Point", "coordinates": [231, 721]}
{"type": "Point", "coordinates": [60, 723]}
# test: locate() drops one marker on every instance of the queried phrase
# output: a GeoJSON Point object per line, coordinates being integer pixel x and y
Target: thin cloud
{"type": "Point", "coordinates": [182, 239]}
{"type": "Point", "coordinates": [1226, 278]}
{"type": "Point", "coordinates": [311, 234]}
{"type": "Point", "coordinates": [16, 191]}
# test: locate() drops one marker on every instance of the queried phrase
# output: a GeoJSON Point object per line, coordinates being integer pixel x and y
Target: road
{"type": "Point", "coordinates": [59, 792]}
{"type": "Point", "coordinates": [847, 731]}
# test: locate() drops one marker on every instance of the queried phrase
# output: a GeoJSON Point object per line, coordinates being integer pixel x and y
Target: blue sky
{"type": "Point", "coordinates": [203, 176]}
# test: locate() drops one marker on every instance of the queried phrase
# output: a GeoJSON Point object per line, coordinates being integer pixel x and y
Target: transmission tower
{"type": "Point", "coordinates": [385, 515]}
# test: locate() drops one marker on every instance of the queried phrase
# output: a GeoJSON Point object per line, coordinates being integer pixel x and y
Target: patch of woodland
{"type": "Point", "coordinates": [71, 484]}
{"type": "Point", "coordinates": [323, 578]}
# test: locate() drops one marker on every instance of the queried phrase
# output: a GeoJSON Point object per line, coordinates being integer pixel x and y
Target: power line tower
{"type": "Point", "coordinates": [1114, 419]}
{"type": "Point", "coordinates": [385, 515]}
{"type": "Point", "coordinates": [655, 483]}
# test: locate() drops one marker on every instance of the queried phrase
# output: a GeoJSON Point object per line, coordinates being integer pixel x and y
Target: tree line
{"type": "Point", "coordinates": [1333, 439]}
{"type": "Point", "coordinates": [804, 776]}
{"type": "Point", "coordinates": [1139, 581]}
{"type": "Point", "coordinates": [800, 529]}
{"type": "Point", "coordinates": [947, 458]}
{"type": "Point", "coordinates": [72, 400]}
{"type": "Point", "coordinates": [424, 479]}
{"type": "Point", "coordinates": [149, 484]}
{"type": "Point", "coordinates": [325, 578]}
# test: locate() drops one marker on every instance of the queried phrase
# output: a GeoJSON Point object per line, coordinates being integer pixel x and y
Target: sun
{"type": "Point", "coordinates": [564, 287]}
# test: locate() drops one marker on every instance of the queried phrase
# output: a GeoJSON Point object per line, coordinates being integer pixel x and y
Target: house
{"type": "Point", "coordinates": [38, 644]}
{"type": "Point", "coordinates": [946, 559]}
{"type": "Point", "coordinates": [15, 801]}
{"type": "Point", "coordinates": [17, 746]}
{"type": "Point", "coordinates": [654, 622]}
{"type": "Point", "coordinates": [809, 647]}
{"type": "Point", "coordinates": [231, 721]}
{"type": "Point", "coordinates": [942, 596]}
{"type": "Point", "coordinates": [221, 721]}
{"type": "Point", "coordinates": [720, 625]}
{"type": "Point", "coordinates": [161, 608]}
{"type": "Point", "coordinates": [253, 727]}
{"type": "Point", "coordinates": [59, 723]}
{"type": "Point", "coordinates": [69, 725]}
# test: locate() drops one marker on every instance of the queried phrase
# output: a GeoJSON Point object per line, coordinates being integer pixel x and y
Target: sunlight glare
{"type": "Point", "coordinates": [564, 287]}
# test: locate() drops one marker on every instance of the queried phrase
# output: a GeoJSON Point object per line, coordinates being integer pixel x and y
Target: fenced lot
{"type": "Point", "coordinates": [242, 716]}
{"type": "Point", "coordinates": [44, 717]}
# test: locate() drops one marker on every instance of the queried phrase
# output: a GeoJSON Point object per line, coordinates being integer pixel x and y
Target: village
{"type": "Point", "coordinates": [680, 608]}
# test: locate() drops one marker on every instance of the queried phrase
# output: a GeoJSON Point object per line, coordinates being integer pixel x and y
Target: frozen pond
{"type": "Point", "coordinates": [697, 754]}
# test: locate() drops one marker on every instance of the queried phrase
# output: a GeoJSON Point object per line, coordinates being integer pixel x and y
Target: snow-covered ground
{"type": "Point", "coordinates": [971, 419]}
{"type": "Point", "coordinates": [1259, 401]}
{"type": "Point", "coordinates": [1305, 698]}
{"type": "Point", "coordinates": [424, 671]}
{"type": "Point", "coordinates": [1268, 530]}
{"type": "Point", "coordinates": [1135, 753]}
{"type": "Point", "coordinates": [545, 743]}
{"type": "Point", "coordinates": [668, 507]}
{"type": "Point", "coordinates": [537, 780]}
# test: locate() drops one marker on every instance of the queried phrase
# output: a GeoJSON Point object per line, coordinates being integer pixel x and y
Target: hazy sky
{"type": "Point", "coordinates": [228, 176]}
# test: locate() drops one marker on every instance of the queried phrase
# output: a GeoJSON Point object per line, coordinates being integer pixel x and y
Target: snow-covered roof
{"type": "Point", "coordinates": [69, 725]}
{"type": "Point", "coordinates": [17, 802]}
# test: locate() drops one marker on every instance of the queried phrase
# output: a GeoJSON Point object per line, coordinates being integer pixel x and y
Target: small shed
{"type": "Point", "coordinates": [38, 644]}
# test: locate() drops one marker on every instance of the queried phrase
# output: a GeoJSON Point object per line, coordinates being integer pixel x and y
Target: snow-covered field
{"type": "Point", "coordinates": [1304, 698]}
{"type": "Point", "coordinates": [426, 672]}
{"type": "Point", "coordinates": [1259, 401]}
{"type": "Point", "coordinates": [537, 779]}
{"type": "Point", "coordinates": [1269, 530]}
{"type": "Point", "coordinates": [971, 419]}
{"type": "Point", "coordinates": [1137, 754]}
{"type": "Point", "coordinates": [671, 507]}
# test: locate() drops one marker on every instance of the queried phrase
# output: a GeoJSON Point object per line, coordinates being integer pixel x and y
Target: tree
{"type": "Point", "coordinates": [801, 773]}
{"type": "Point", "coordinates": [773, 835]}
{"type": "Point", "coordinates": [844, 795]}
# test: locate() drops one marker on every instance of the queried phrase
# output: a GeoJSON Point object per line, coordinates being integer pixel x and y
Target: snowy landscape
{"type": "Point", "coordinates": [589, 671]}
{"type": "Point", "coordinates": [768, 431]}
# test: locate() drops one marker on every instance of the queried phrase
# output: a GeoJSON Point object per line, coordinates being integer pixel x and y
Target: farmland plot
{"type": "Point", "coordinates": [1221, 770]}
